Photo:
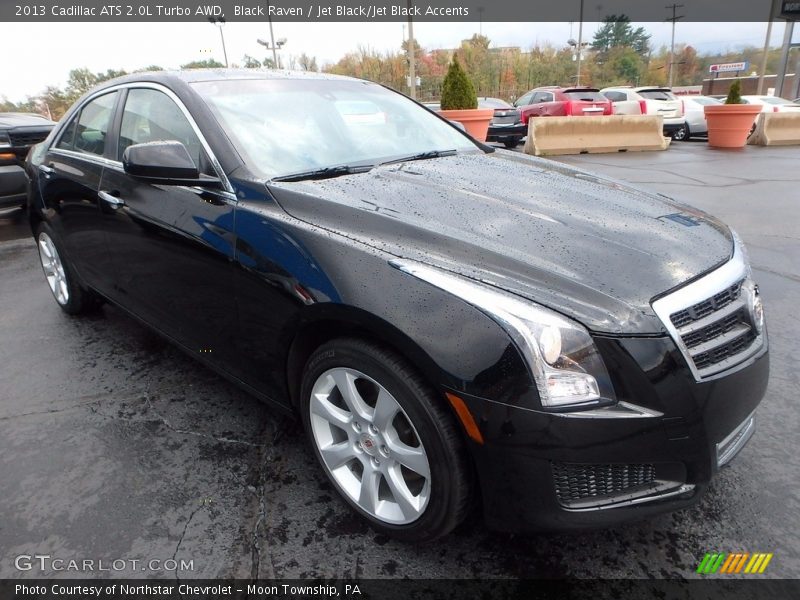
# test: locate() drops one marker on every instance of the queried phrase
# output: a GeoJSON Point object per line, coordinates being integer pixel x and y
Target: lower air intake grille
{"type": "Point", "coordinates": [576, 482]}
{"type": "Point", "coordinates": [28, 138]}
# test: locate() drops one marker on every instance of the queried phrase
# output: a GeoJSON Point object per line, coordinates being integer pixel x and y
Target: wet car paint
{"type": "Point", "coordinates": [597, 250]}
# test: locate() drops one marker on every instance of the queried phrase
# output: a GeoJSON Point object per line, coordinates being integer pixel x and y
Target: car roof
{"type": "Point", "coordinates": [198, 75]}
{"type": "Point", "coordinates": [652, 88]}
{"type": "Point", "coordinates": [560, 88]}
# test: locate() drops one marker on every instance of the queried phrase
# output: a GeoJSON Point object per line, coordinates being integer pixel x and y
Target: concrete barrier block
{"type": "Point", "coordinates": [776, 129]}
{"type": "Point", "coordinates": [551, 136]}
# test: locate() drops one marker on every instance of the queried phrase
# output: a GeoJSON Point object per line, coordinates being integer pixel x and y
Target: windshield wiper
{"type": "Point", "coordinates": [421, 156]}
{"type": "Point", "coordinates": [324, 173]}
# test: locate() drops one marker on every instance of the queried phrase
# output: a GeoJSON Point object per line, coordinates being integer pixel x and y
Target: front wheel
{"type": "Point", "coordinates": [384, 440]}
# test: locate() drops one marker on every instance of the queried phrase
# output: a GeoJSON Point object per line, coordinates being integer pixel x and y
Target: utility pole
{"type": "Point", "coordinates": [763, 70]}
{"type": "Point", "coordinates": [412, 67]}
{"type": "Point", "coordinates": [220, 23]}
{"type": "Point", "coordinates": [674, 18]}
{"type": "Point", "coordinates": [580, 46]}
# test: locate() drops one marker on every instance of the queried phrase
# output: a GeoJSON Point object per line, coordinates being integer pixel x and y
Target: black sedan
{"type": "Point", "coordinates": [506, 127]}
{"type": "Point", "coordinates": [570, 350]}
{"type": "Point", "coordinates": [18, 132]}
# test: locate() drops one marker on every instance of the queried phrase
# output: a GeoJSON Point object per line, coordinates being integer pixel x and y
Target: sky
{"type": "Point", "coordinates": [46, 52]}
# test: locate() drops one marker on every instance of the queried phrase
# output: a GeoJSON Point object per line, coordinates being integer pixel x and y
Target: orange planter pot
{"type": "Point", "coordinates": [730, 124]}
{"type": "Point", "coordinates": [475, 121]}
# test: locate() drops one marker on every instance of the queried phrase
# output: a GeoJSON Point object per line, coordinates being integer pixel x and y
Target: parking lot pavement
{"type": "Point", "coordinates": [113, 444]}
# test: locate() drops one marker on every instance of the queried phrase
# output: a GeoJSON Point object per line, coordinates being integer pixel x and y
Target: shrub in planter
{"type": "Point", "coordinates": [729, 124]}
{"type": "Point", "coordinates": [458, 93]}
{"type": "Point", "coordinates": [459, 102]}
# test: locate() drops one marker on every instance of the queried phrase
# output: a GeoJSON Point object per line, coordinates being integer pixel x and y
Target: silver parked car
{"type": "Point", "coordinates": [693, 112]}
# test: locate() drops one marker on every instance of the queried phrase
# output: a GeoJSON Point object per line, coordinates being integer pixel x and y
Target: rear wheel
{"type": "Point", "coordinates": [510, 144]}
{"type": "Point", "coordinates": [61, 277]}
{"type": "Point", "coordinates": [683, 134]}
{"type": "Point", "coordinates": [385, 442]}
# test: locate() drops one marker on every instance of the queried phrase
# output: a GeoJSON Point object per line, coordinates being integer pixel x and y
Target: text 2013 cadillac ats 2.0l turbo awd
{"type": "Point", "coordinates": [451, 323]}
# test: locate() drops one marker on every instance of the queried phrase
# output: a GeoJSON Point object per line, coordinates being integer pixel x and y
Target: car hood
{"type": "Point", "coordinates": [587, 246]}
{"type": "Point", "coordinates": [12, 120]}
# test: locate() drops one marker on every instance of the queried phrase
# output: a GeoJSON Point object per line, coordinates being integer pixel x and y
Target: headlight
{"type": "Point", "coordinates": [750, 291]}
{"type": "Point", "coordinates": [561, 354]}
{"type": "Point", "coordinates": [753, 300]}
{"type": "Point", "coordinates": [738, 244]}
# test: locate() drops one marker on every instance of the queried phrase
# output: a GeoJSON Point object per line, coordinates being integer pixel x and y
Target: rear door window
{"type": "Point", "coordinates": [87, 132]}
{"type": "Point", "coordinates": [524, 100]}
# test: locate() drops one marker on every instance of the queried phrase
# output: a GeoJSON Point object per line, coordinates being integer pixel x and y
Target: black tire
{"type": "Point", "coordinates": [683, 134]}
{"type": "Point", "coordinates": [450, 490]}
{"type": "Point", "coordinates": [78, 300]}
{"type": "Point", "coordinates": [511, 144]}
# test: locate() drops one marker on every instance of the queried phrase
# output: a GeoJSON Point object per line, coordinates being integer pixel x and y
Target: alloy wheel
{"type": "Point", "coordinates": [53, 269]}
{"type": "Point", "coordinates": [369, 446]}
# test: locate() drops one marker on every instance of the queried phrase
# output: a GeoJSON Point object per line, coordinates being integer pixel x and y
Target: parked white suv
{"type": "Point", "coordinates": [648, 100]}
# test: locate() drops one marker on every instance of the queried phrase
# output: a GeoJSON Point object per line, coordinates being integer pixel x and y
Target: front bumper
{"type": "Point", "coordinates": [541, 471]}
{"type": "Point", "coordinates": [13, 185]}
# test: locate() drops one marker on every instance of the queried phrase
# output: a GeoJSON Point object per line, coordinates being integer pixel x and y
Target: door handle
{"type": "Point", "coordinates": [113, 200]}
{"type": "Point", "coordinates": [46, 171]}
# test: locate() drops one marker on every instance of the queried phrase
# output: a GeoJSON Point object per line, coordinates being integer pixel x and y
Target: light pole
{"type": "Point", "coordinates": [577, 56]}
{"type": "Point", "coordinates": [274, 46]}
{"type": "Point", "coordinates": [220, 22]}
{"type": "Point", "coordinates": [580, 46]}
{"type": "Point", "coordinates": [412, 61]}
{"type": "Point", "coordinates": [674, 18]}
{"type": "Point", "coordinates": [764, 55]}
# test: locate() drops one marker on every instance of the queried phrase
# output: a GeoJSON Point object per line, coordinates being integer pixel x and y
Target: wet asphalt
{"type": "Point", "coordinates": [115, 445]}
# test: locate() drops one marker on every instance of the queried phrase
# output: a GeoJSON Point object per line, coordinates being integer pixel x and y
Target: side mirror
{"type": "Point", "coordinates": [165, 163]}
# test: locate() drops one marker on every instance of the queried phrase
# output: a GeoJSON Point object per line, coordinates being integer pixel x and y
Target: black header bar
{"type": "Point", "coordinates": [327, 11]}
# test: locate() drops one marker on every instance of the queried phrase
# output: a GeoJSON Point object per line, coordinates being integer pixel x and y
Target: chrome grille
{"type": "Point", "coordinates": [711, 319]}
{"type": "Point", "coordinates": [577, 482]}
{"type": "Point", "coordinates": [706, 307]}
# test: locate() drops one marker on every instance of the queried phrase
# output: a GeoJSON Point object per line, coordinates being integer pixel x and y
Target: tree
{"type": "Point", "coordinates": [203, 64]}
{"type": "Point", "coordinates": [618, 31]}
{"type": "Point", "coordinates": [307, 63]}
{"type": "Point", "coordinates": [620, 66]}
{"type": "Point", "coordinates": [80, 81]}
{"type": "Point", "coordinates": [458, 93]}
{"type": "Point", "coordinates": [149, 68]}
{"type": "Point", "coordinates": [250, 63]}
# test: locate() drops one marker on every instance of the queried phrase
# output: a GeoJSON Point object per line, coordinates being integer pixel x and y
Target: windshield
{"type": "Point", "coordinates": [657, 94]}
{"type": "Point", "coordinates": [775, 100]}
{"type": "Point", "coordinates": [705, 101]}
{"type": "Point", "coordinates": [287, 126]}
{"type": "Point", "coordinates": [493, 103]}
